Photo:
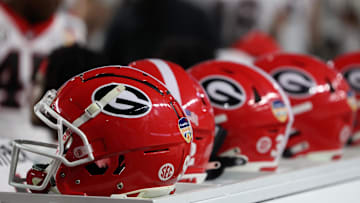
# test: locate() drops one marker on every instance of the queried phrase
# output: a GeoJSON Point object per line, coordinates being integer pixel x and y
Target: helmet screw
{"type": "Point", "coordinates": [77, 182]}
{"type": "Point", "coordinates": [62, 174]}
{"type": "Point", "coordinates": [120, 186]}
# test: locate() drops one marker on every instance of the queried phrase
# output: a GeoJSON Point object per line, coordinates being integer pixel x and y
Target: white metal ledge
{"type": "Point", "coordinates": [294, 177]}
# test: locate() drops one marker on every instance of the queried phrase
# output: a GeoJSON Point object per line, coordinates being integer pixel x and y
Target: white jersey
{"type": "Point", "coordinates": [22, 48]}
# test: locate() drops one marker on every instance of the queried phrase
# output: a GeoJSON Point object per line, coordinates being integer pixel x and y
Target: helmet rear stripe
{"type": "Point", "coordinates": [168, 77]}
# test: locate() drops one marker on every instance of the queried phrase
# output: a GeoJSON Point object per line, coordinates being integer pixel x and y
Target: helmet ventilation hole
{"type": "Point", "coordinates": [121, 165]}
{"type": "Point", "coordinates": [227, 71]}
{"type": "Point", "coordinates": [93, 169]}
{"type": "Point", "coordinates": [256, 95]}
{"type": "Point", "coordinates": [156, 151]}
{"type": "Point", "coordinates": [203, 100]}
{"type": "Point", "coordinates": [273, 130]}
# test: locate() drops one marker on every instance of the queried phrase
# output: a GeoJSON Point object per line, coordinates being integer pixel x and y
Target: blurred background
{"type": "Point", "coordinates": [68, 37]}
{"type": "Point", "coordinates": [57, 39]}
{"type": "Point", "coordinates": [130, 29]}
{"type": "Point", "coordinates": [43, 43]}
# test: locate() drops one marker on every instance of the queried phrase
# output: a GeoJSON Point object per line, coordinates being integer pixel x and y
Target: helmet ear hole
{"type": "Point", "coordinates": [94, 169]}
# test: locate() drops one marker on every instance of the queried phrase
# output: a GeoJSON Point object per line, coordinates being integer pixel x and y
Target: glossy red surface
{"type": "Point", "coordinates": [349, 65]}
{"type": "Point", "coordinates": [139, 145]}
{"type": "Point", "coordinates": [195, 103]}
{"type": "Point", "coordinates": [256, 44]}
{"type": "Point", "coordinates": [254, 119]}
{"type": "Point", "coordinates": [320, 127]}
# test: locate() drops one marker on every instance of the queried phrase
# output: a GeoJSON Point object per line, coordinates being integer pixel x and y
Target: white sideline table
{"type": "Point", "coordinates": [299, 180]}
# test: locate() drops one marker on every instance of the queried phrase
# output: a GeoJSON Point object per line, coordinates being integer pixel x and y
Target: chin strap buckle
{"type": "Point", "coordinates": [95, 108]}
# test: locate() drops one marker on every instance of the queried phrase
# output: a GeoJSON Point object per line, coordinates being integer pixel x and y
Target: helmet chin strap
{"type": "Point", "coordinates": [90, 112]}
{"type": "Point", "coordinates": [95, 108]}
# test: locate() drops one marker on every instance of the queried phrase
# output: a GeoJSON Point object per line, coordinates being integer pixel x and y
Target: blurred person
{"type": "Point", "coordinates": [29, 30]}
{"type": "Point", "coordinates": [236, 18]}
{"type": "Point", "coordinates": [336, 28]}
{"type": "Point", "coordinates": [66, 62]}
{"type": "Point", "coordinates": [292, 25]}
{"type": "Point", "coordinates": [96, 14]}
{"type": "Point", "coordinates": [59, 66]}
{"type": "Point", "coordinates": [174, 30]}
{"type": "Point", "coordinates": [287, 20]}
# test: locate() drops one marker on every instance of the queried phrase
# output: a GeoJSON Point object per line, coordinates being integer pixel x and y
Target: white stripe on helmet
{"type": "Point", "coordinates": [169, 78]}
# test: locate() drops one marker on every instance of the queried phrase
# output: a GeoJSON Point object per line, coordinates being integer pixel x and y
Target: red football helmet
{"type": "Point", "coordinates": [253, 110]}
{"type": "Point", "coordinates": [197, 108]}
{"type": "Point", "coordinates": [321, 101]}
{"type": "Point", "coordinates": [349, 66]}
{"type": "Point", "coordinates": [120, 131]}
{"type": "Point", "coordinates": [249, 47]}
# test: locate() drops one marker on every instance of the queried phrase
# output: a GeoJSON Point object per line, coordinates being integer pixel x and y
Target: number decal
{"type": "Point", "coordinates": [36, 62]}
{"type": "Point", "coordinates": [280, 142]}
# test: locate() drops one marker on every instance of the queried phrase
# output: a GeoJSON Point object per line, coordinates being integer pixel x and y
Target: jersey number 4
{"type": "Point", "coordinates": [10, 77]}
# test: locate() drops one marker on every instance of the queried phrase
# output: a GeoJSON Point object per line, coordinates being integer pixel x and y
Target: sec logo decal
{"type": "Point", "coordinates": [263, 145]}
{"type": "Point", "coordinates": [131, 103]}
{"type": "Point", "coordinates": [296, 83]}
{"type": "Point", "coordinates": [224, 92]}
{"type": "Point", "coordinates": [166, 171]}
